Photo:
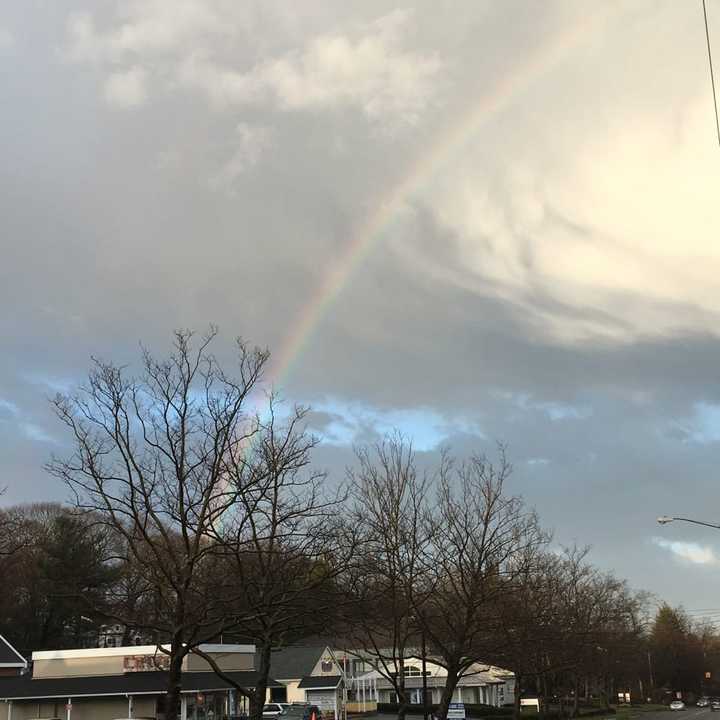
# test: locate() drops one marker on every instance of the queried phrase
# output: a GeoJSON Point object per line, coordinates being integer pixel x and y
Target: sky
{"type": "Point", "coordinates": [474, 221]}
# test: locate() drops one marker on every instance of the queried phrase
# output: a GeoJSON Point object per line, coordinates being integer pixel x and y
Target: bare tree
{"type": "Point", "coordinates": [480, 536]}
{"type": "Point", "coordinates": [285, 544]}
{"type": "Point", "coordinates": [529, 631]}
{"type": "Point", "coordinates": [151, 461]}
{"type": "Point", "coordinates": [389, 511]}
{"type": "Point", "coordinates": [12, 536]}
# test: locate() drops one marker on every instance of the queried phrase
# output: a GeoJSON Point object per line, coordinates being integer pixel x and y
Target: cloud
{"type": "Point", "coordinates": [703, 426]}
{"type": "Point", "coordinates": [37, 433]}
{"type": "Point", "coordinates": [126, 89]}
{"type": "Point", "coordinates": [346, 424]}
{"type": "Point", "coordinates": [576, 218]}
{"type": "Point", "coordinates": [371, 72]}
{"type": "Point", "coordinates": [554, 410]}
{"type": "Point", "coordinates": [9, 407]}
{"type": "Point", "coordinates": [11, 414]}
{"type": "Point", "coordinates": [366, 67]}
{"type": "Point", "coordinates": [49, 383]}
{"type": "Point", "coordinates": [143, 27]}
{"type": "Point", "coordinates": [7, 40]}
{"type": "Point", "coordinates": [562, 250]}
{"type": "Point", "coordinates": [250, 144]}
{"type": "Point", "coordinates": [688, 552]}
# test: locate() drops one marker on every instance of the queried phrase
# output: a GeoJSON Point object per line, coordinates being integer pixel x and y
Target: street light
{"type": "Point", "coordinates": [665, 519]}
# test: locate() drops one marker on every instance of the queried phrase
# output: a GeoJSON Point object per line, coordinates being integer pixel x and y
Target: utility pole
{"type": "Point", "coordinates": [424, 676]}
{"type": "Point", "coordinates": [652, 680]}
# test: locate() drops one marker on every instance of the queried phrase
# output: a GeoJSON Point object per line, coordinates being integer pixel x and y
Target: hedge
{"type": "Point", "coordinates": [490, 711]}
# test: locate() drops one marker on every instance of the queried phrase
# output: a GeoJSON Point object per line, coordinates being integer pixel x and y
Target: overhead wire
{"type": "Point", "coordinates": [712, 74]}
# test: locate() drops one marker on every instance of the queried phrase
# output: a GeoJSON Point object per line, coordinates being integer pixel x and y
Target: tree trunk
{"type": "Point", "coordinates": [174, 679]}
{"type": "Point", "coordinates": [447, 693]}
{"type": "Point", "coordinates": [403, 704]}
{"type": "Point", "coordinates": [517, 706]}
{"type": "Point", "coordinates": [605, 696]}
{"type": "Point", "coordinates": [576, 696]}
{"type": "Point", "coordinates": [258, 696]}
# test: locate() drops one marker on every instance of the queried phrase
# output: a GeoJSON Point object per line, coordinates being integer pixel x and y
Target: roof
{"type": "Point", "coordinates": [139, 683]}
{"type": "Point", "coordinates": [294, 661]}
{"type": "Point", "coordinates": [132, 650]}
{"type": "Point", "coordinates": [9, 656]}
{"type": "Point", "coordinates": [320, 682]}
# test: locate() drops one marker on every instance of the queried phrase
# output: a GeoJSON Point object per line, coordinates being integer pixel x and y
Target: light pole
{"type": "Point", "coordinates": [665, 519]}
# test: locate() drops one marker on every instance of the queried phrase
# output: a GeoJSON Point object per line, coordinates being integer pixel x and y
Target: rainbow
{"type": "Point", "coordinates": [448, 143]}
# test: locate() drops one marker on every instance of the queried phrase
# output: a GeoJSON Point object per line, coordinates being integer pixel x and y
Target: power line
{"type": "Point", "coordinates": [712, 75]}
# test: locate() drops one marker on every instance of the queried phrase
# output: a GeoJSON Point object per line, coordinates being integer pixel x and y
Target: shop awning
{"type": "Point", "coordinates": [320, 682]}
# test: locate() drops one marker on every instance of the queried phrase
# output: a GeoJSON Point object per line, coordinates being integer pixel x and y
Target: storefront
{"type": "Point", "coordinates": [109, 683]}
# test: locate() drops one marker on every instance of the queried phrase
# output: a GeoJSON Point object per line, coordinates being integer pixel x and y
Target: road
{"type": "Point", "coordinates": [692, 713]}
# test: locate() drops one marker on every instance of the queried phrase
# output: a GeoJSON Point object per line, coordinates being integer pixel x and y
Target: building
{"type": "Point", "coordinates": [329, 677]}
{"type": "Point", "coordinates": [114, 636]}
{"type": "Point", "coordinates": [482, 684]}
{"type": "Point", "coordinates": [12, 663]}
{"type": "Point", "coordinates": [123, 682]}
{"type": "Point", "coordinates": [307, 673]}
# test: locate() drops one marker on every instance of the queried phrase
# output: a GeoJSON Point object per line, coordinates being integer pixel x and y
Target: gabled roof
{"type": "Point", "coordinates": [294, 662]}
{"type": "Point", "coordinates": [137, 683]}
{"type": "Point", "coordinates": [9, 656]}
{"type": "Point", "coordinates": [320, 682]}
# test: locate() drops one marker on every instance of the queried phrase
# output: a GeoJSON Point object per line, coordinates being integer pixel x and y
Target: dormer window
{"type": "Point", "coordinates": [326, 666]}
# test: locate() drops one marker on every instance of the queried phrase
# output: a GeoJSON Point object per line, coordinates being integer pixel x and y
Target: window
{"type": "Point", "coordinates": [411, 671]}
{"type": "Point", "coordinates": [326, 666]}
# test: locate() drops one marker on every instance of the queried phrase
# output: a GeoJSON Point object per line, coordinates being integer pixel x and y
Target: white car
{"type": "Point", "coordinates": [273, 710]}
{"type": "Point", "coordinates": [677, 705]}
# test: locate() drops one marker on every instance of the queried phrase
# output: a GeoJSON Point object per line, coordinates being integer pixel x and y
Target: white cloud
{"type": "Point", "coordinates": [592, 208]}
{"type": "Point", "coordinates": [11, 407]}
{"type": "Point", "coordinates": [250, 142]}
{"type": "Point", "coordinates": [701, 427]}
{"type": "Point", "coordinates": [427, 427]}
{"type": "Point", "coordinates": [144, 28]}
{"type": "Point", "coordinates": [16, 416]}
{"type": "Point", "coordinates": [126, 89]}
{"type": "Point", "coordinates": [688, 551]}
{"type": "Point", "coordinates": [36, 433]}
{"type": "Point", "coordinates": [554, 410]}
{"type": "Point", "coordinates": [365, 67]}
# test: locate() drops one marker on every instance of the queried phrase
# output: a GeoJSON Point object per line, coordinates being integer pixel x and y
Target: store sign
{"type": "Point", "coordinates": [456, 711]}
{"type": "Point", "coordinates": [146, 663]}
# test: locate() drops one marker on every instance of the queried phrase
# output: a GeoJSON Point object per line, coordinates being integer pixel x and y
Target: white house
{"type": "Point", "coordinates": [481, 684]}
{"type": "Point", "coordinates": [328, 677]}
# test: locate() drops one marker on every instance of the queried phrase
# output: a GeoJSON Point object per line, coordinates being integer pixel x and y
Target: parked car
{"type": "Point", "coordinates": [677, 705]}
{"type": "Point", "coordinates": [715, 704]}
{"type": "Point", "coordinates": [273, 709]}
{"type": "Point", "coordinates": [703, 702]}
{"type": "Point", "coordinates": [302, 711]}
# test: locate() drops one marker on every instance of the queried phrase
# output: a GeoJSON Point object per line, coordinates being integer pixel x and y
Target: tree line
{"type": "Point", "coordinates": [197, 514]}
